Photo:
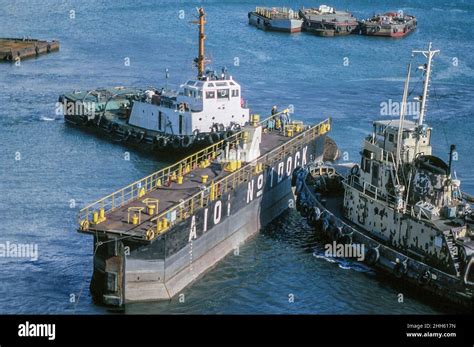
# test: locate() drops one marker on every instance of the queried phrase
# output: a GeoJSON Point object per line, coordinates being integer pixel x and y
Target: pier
{"type": "Point", "coordinates": [14, 49]}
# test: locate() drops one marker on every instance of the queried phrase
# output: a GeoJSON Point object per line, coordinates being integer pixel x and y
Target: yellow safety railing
{"type": "Point", "coordinates": [162, 177]}
{"type": "Point", "coordinates": [141, 187]}
{"type": "Point", "coordinates": [216, 189]}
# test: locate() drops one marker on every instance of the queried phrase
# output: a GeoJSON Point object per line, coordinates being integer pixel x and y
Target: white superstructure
{"type": "Point", "coordinates": [205, 105]}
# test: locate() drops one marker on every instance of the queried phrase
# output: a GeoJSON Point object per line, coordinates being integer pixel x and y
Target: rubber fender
{"type": "Point", "coordinates": [372, 256]}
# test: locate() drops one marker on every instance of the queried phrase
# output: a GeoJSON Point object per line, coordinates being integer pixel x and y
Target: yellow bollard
{"type": "Point", "coordinates": [255, 119]}
{"type": "Point", "coordinates": [204, 178]}
{"type": "Point", "coordinates": [159, 226]}
{"type": "Point", "coordinates": [212, 191]}
{"type": "Point", "coordinates": [141, 192]}
{"type": "Point", "coordinates": [165, 223]}
{"type": "Point", "coordinates": [239, 164]}
{"type": "Point", "coordinates": [180, 179]}
{"type": "Point", "coordinates": [95, 217]}
{"type": "Point", "coordinates": [289, 132]}
{"type": "Point", "coordinates": [151, 210]}
{"type": "Point", "coordinates": [158, 183]}
{"type": "Point", "coordinates": [135, 219]}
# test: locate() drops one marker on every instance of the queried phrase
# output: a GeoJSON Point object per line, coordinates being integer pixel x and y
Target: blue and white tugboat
{"type": "Point", "coordinates": [203, 111]}
{"type": "Point", "coordinates": [402, 204]}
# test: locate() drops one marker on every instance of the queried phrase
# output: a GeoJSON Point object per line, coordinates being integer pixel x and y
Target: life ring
{"type": "Point", "coordinates": [338, 29]}
{"type": "Point", "coordinates": [424, 277]}
{"type": "Point", "coordinates": [349, 28]}
{"type": "Point", "coordinates": [400, 269]}
{"type": "Point", "coordinates": [355, 170]}
{"type": "Point", "coordinates": [377, 28]}
{"type": "Point", "coordinates": [150, 234]}
{"type": "Point", "coordinates": [186, 141]}
{"type": "Point", "coordinates": [372, 256]}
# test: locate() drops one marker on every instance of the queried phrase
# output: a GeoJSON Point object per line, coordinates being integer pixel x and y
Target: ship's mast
{"type": "Point", "coordinates": [429, 54]}
{"type": "Point", "coordinates": [201, 59]}
{"type": "Point", "coordinates": [402, 117]}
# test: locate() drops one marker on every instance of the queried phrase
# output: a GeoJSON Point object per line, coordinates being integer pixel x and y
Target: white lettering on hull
{"type": "Point", "coordinates": [192, 231]}
{"type": "Point", "coordinates": [217, 212]}
{"type": "Point", "coordinates": [205, 220]}
{"type": "Point", "coordinates": [260, 185]}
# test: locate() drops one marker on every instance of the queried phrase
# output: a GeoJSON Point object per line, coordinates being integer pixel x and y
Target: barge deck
{"type": "Point", "coordinates": [14, 49]}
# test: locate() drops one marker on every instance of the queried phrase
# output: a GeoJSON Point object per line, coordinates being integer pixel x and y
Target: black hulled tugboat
{"type": "Point", "coordinates": [402, 204]}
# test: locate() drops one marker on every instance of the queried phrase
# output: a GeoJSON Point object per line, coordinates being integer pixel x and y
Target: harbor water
{"type": "Point", "coordinates": [48, 170]}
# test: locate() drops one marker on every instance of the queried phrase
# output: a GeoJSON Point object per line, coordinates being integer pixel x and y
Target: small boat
{"type": "Point", "coordinates": [390, 24]}
{"type": "Point", "coordinates": [326, 21]}
{"type": "Point", "coordinates": [276, 19]}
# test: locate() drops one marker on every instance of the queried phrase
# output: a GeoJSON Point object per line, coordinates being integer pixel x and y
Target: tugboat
{"type": "Point", "coordinates": [390, 24]}
{"type": "Point", "coordinates": [402, 204]}
{"type": "Point", "coordinates": [326, 21]}
{"type": "Point", "coordinates": [203, 111]}
{"type": "Point", "coordinates": [276, 19]}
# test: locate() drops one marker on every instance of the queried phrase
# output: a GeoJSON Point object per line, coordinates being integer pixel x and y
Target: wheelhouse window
{"type": "Point", "coordinates": [235, 93]}
{"type": "Point", "coordinates": [223, 93]}
{"type": "Point", "coordinates": [211, 94]}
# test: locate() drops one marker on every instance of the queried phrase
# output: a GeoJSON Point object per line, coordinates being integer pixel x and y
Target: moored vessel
{"type": "Point", "coordinates": [326, 21]}
{"type": "Point", "coordinates": [276, 19]}
{"type": "Point", "coordinates": [157, 235]}
{"type": "Point", "coordinates": [390, 24]}
{"type": "Point", "coordinates": [203, 111]}
{"type": "Point", "coordinates": [402, 205]}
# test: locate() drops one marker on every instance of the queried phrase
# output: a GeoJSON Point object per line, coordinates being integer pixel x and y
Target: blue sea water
{"type": "Point", "coordinates": [61, 168]}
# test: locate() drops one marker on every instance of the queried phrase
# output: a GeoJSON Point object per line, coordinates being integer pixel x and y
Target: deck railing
{"type": "Point", "coordinates": [186, 208]}
{"type": "Point", "coordinates": [162, 177]}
